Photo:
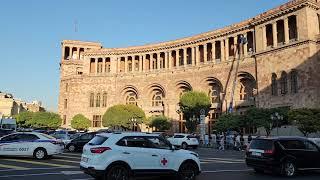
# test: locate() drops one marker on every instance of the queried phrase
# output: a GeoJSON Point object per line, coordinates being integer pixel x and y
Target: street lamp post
{"type": "Point", "coordinates": [276, 116]}
{"type": "Point", "coordinates": [133, 121]}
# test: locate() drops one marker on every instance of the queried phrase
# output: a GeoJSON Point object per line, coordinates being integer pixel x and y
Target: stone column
{"type": "Point", "coordinates": [118, 64]}
{"type": "Point", "coordinates": [158, 60]}
{"type": "Point", "coordinates": [151, 62]}
{"type": "Point", "coordinates": [193, 50]}
{"type": "Point", "coordinates": [185, 57]}
{"type": "Point", "coordinates": [126, 64]}
{"type": "Point", "coordinates": [205, 53]}
{"type": "Point", "coordinates": [274, 34]}
{"type": "Point", "coordinates": [235, 43]}
{"type": "Point", "coordinates": [144, 62]}
{"type": "Point", "coordinates": [245, 50]}
{"type": "Point", "coordinates": [104, 70]}
{"type": "Point", "coordinates": [78, 53]}
{"type": "Point", "coordinates": [197, 55]}
{"type": "Point", "coordinates": [213, 51]}
{"type": "Point", "coordinates": [133, 64]}
{"type": "Point", "coordinates": [227, 49]}
{"type": "Point", "coordinates": [286, 30]}
{"type": "Point", "coordinates": [70, 53]}
{"type": "Point", "coordinates": [63, 49]}
{"type": "Point", "coordinates": [264, 38]}
{"type": "Point", "coordinates": [166, 56]}
{"type": "Point", "coordinates": [96, 63]}
{"type": "Point", "coordinates": [140, 63]}
{"type": "Point", "coordinates": [169, 59]}
{"type": "Point", "coordinates": [222, 51]}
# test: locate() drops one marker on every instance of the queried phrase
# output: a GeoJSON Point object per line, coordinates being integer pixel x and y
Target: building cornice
{"type": "Point", "coordinates": [218, 34]}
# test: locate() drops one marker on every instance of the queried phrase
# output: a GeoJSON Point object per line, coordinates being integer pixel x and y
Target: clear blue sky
{"type": "Point", "coordinates": [31, 32]}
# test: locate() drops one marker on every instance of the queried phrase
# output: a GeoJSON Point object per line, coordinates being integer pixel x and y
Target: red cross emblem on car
{"type": "Point", "coordinates": [164, 161]}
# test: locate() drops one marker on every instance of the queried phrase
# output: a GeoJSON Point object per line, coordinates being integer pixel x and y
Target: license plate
{"type": "Point", "coordinates": [84, 159]}
{"type": "Point", "coordinates": [256, 154]}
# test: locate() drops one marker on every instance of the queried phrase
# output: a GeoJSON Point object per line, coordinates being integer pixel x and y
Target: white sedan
{"type": "Point", "coordinates": [184, 140]}
{"type": "Point", "coordinates": [38, 145]}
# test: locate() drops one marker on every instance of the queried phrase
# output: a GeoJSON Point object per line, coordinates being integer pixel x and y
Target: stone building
{"type": "Point", "coordinates": [10, 106]}
{"type": "Point", "coordinates": [278, 66]}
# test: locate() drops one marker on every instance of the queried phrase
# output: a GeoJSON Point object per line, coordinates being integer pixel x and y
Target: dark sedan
{"type": "Point", "coordinates": [285, 155]}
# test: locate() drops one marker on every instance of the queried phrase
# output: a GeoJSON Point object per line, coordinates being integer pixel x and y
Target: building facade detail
{"type": "Point", "coordinates": [277, 68]}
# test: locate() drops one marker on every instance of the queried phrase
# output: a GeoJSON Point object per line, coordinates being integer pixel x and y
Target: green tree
{"type": "Point", "coordinates": [160, 123]}
{"type": "Point", "coordinates": [121, 116]}
{"type": "Point", "coordinates": [307, 120]}
{"type": "Point", "coordinates": [45, 120]}
{"type": "Point", "coordinates": [80, 122]}
{"type": "Point", "coordinates": [229, 122]}
{"type": "Point", "coordinates": [258, 117]}
{"type": "Point", "coordinates": [24, 118]}
{"type": "Point", "coordinates": [190, 104]}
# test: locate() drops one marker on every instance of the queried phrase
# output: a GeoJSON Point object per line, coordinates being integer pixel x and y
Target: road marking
{"type": "Point", "coordinates": [64, 160]}
{"type": "Point", "coordinates": [49, 168]}
{"type": "Point", "coordinates": [78, 158]}
{"type": "Point", "coordinates": [71, 154]}
{"type": "Point", "coordinates": [71, 172]}
{"type": "Point", "coordinates": [21, 175]}
{"type": "Point", "coordinates": [226, 159]}
{"type": "Point", "coordinates": [38, 163]}
{"type": "Point", "coordinates": [12, 167]}
{"type": "Point", "coordinates": [219, 161]}
{"type": "Point", "coordinates": [228, 170]}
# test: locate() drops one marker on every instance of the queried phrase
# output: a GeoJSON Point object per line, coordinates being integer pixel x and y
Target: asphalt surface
{"type": "Point", "coordinates": [226, 165]}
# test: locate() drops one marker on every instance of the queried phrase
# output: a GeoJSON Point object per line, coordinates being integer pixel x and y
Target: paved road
{"type": "Point", "coordinates": [228, 165]}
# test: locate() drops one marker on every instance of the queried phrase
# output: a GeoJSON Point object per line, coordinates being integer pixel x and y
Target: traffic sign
{"type": "Point", "coordinates": [202, 112]}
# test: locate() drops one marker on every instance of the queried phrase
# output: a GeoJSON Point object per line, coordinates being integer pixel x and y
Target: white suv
{"type": "Point", "coordinates": [184, 141]}
{"type": "Point", "coordinates": [119, 156]}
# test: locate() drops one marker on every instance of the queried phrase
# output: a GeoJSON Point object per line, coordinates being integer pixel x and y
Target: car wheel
{"type": "Point", "coordinates": [184, 145]}
{"type": "Point", "coordinates": [72, 148]}
{"type": "Point", "coordinates": [118, 172]}
{"type": "Point", "coordinates": [258, 170]}
{"type": "Point", "coordinates": [187, 171]}
{"type": "Point", "coordinates": [40, 153]}
{"type": "Point", "coordinates": [288, 168]}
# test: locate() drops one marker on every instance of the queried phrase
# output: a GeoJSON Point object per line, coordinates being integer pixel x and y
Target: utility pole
{"type": "Point", "coordinates": [241, 41]}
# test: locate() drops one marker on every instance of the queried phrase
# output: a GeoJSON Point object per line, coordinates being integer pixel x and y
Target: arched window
{"type": "Point", "coordinates": [157, 99]}
{"type": "Point", "coordinates": [98, 100]}
{"type": "Point", "coordinates": [294, 81]}
{"type": "Point", "coordinates": [91, 103]}
{"type": "Point", "coordinates": [274, 86]}
{"type": "Point", "coordinates": [131, 98]}
{"type": "Point", "coordinates": [104, 100]}
{"type": "Point", "coordinates": [284, 83]}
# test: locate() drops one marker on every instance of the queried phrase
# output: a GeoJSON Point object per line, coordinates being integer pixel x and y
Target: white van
{"type": "Point", "coordinates": [7, 123]}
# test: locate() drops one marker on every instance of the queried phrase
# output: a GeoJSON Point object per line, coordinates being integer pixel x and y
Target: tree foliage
{"type": "Point", "coordinates": [160, 123]}
{"type": "Point", "coordinates": [190, 105]}
{"type": "Point", "coordinates": [307, 120]}
{"type": "Point", "coordinates": [229, 122]}
{"type": "Point", "coordinates": [80, 122]}
{"type": "Point", "coordinates": [24, 118]}
{"type": "Point", "coordinates": [120, 115]}
{"type": "Point", "coordinates": [45, 120]}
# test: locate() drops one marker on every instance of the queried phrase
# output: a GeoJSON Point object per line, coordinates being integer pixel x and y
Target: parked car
{"type": "Point", "coordinates": [78, 143]}
{"type": "Point", "coordinates": [38, 145]}
{"type": "Point", "coordinates": [184, 141]}
{"type": "Point", "coordinates": [4, 132]}
{"type": "Point", "coordinates": [284, 155]}
{"type": "Point", "coordinates": [133, 154]}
